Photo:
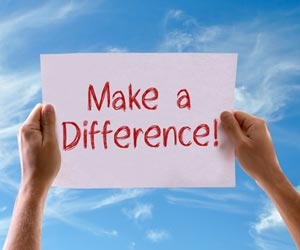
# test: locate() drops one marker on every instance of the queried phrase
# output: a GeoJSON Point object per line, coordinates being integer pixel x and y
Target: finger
{"type": "Point", "coordinates": [232, 127]}
{"type": "Point", "coordinates": [33, 119]}
{"type": "Point", "coordinates": [245, 120]}
{"type": "Point", "coordinates": [48, 121]}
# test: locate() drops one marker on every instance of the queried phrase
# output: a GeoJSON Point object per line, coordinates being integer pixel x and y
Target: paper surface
{"type": "Point", "coordinates": [141, 120]}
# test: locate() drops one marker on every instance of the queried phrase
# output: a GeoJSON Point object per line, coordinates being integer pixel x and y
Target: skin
{"type": "Point", "coordinates": [40, 163]}
{"type": "Point", "coordinates": [256, 154]}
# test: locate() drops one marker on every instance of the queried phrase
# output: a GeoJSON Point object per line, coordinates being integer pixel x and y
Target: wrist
{"type": "Point", "coordinates": [274, 182]}
{"type": "Point", "coordinates": [32, 193]}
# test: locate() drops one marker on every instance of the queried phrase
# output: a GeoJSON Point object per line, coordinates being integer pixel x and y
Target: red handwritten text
{"type": "Point", "coordinates": [119, 100]}
{"type": "Point", "coordinates": [153, 136]}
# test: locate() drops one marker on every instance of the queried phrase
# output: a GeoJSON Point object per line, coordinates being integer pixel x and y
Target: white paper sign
{"type": "Point", "coordinates": [141, 120]}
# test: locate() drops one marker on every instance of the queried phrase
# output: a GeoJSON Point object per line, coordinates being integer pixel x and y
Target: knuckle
{"type": "Point", "coordinates": [261, 122]}
{"type": "Point", "coordinates": [26, 131]}
{"type": "Point", "coordinates": [262, 125]}
{"type": "Point", "coordinates": [23, 129]}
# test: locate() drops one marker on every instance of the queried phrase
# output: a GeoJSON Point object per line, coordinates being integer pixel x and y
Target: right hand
{"type": "Point", "coordinates": [39, 151]}
{"type": "Point", "coordinates": [253, 144]}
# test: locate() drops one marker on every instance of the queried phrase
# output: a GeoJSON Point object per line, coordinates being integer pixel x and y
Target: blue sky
{"type": "Point", "coordinates": [265, 34]}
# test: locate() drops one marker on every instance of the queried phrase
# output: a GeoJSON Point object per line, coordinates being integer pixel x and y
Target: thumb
{"type": "Point", "coordinates": [48, 121]}
{"type": "Point", "coordinates": [232, 127]}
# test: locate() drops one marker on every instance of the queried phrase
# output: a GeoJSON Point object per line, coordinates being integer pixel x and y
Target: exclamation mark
{"type": "Point", "coordinates": [216, 142]}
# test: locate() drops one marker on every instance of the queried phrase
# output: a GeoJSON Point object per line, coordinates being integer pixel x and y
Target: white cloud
{"type": "Point", "coordinates": [115, 50]}
{"type": "Point", "coordinates": [273, 241]}
{"type": "Point", "coordinates": [229, 207]}
{"type": "Point", "coordinates": [177, 41]}
{"type": "Point", "coordinates": [269, 64]}
{"type": "Point", "coordinates": [84, 225]}
{"type": "Point", "coordinates": [223, 200]}
{"type": "Point", "coordinates": [18, 27]}
{"type": "Point", "coordinates": [64, 202]}
{"type": "Point", "coordinates": [178, 19]}
{"type": "Point", "coordinates": [157, 235]}
{"type": "Point", "coordinates": [227, 195]}
{"type": "Point", "coordinates": [269, 231]}
{"type": "Point", "coordinates": [18, 91]}
{"type": "Point", "coordinates": [139, 212]}
{"type": "Point", "coordinates": [174, 14]}
{"type": "Point", "coordinates": [269, 219]}
{"type": "Point", "coordinates": [250, 186]}
{"type": "Point", "coordinates": [40, 16]}
{"type": "Point", "coordinates": [123, 195]}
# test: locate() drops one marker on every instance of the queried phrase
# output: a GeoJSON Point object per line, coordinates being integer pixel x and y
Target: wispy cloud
{"type": "Point", "coordinates": [273, 240]}
{"type": "Point", "coordinates": [84, 225]}
{"type": "Point", "coordinates": [40, 16]}
{"type": "Point", "coordinates": [157, 235]}
{"type": "Point", "coordinates": [208, 204]}
{"type": "Point", "coordinates": [219, 195]}
{"type": "Point", "coordinates": [269, 64]}
{"type": "Point", "coordinates": [17, 94]}
{"type": "Point", "coordinates": [17, 90]}
{"type": "Point", "coordinates": [64, 202]}
{"type": "Point", "coordinates": [122, 195]}
{"type": "Point", "coordinates": [269, 231]}
{"type": "Point", "coordinates": [139, 212]}
{"type": "Point", "coordinates": [111, 49]}
{"type": "Point", "coordinates": [19, 27]}
{"type": "Point", "coordinates": [222, 200]}
{"type": "Point", "coordinates": [268, 219]}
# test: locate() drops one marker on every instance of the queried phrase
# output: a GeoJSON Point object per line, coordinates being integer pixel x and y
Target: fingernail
{"type": "Point", "coordinates": [225, 114]}
{"type": "Point", "coordinates": [48, 108]}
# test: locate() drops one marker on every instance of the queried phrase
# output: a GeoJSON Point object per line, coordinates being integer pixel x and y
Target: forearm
{"type": "Point", "coordinates": [286, 200]}
{"type": "Point", "coordinates": [25, 228]}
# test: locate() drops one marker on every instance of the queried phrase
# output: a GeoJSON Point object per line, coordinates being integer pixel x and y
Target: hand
{"type": "Point", "coordinates": [253, 145]}
{"type": "Point", "coordinates": [39, 151]}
